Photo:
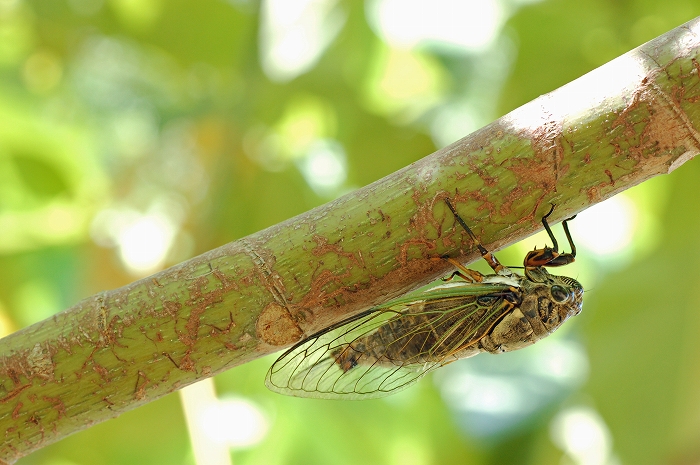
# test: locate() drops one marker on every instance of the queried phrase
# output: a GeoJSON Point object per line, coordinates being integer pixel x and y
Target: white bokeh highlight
{"type": "Point", "coordinates": [324, 166]}
{"type": "Point", "coordinates": [295, 33]}
{"type": "Point", "coordinates": [217, 425]}
{"type": "Point", "coordinates": [142, 239]}
{"type": "Point", "coordinates": [608, 227]}
{"type": "Point", "coordinates": [470, 25]}
{"type": "Point", "coordinates": [583, 436]}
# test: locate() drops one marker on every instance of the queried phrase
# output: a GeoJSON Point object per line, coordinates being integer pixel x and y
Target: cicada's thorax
{"type": "Point", "coordinates": [547, 302]}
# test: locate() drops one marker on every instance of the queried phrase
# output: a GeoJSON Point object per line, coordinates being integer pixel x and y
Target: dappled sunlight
{"type": "Point", "coordinates": [142, 239]}
{"type": "Point", "coordinates": [324, 167]}
{"type": "Point", "coordinates": [602, 87]}
{"type": "Point", "coordinates": [144, 243]}
{"type": "Point", "coordinates": [135, 131]}
{"type": "Point", "coordinates": [7, 326]}
{"type": "Point", "coordinates": [42, 71]}
{"type": "Point", "coordinates": [218, 424]}
{"type": "Point", "coordinates": [137, 14]}
{"type": "Point", "coordinates": [302, 136]}
{"type": "Point", "coordinates": [388, 92]}
{"type": "Point", "coordinates": [458, 102]}
{"type": "Point", "coordinates": [583, 435]}
{"type": "Point", "coordinates": [607, 228]}
{"type": "Point", "coordinates": [86, 7]}
{"type": "Point", "coordinates": [491, 396]}
{"type": "Point", "coordinates": [17, 32]}
{"type": "Point", "coordinates": [410, 451]}
{"type": "Point", "coordinates": [294, 34]}
{"type": "Point", "coordinates": [468, 25]}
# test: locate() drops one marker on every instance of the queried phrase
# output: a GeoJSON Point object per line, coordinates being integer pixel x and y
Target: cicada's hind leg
{"type": "Point", "coordinates": [488, 256]}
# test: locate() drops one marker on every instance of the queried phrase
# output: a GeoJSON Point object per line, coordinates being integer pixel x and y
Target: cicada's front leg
{"type": "Point", "coordinates": [550, 256]}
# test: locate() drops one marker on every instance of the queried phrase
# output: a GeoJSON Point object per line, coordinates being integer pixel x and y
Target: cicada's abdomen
{"type": "Point", "coordinates": [429, 331]}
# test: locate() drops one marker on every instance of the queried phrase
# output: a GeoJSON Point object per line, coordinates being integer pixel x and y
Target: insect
{"type": "Point", "coordinates": [389, 347]}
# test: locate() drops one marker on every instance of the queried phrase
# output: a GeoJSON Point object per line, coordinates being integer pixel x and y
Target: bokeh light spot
{"type": "Point", "coordinates": [387, 90]}
{"type": "Point", "coordinates": [144, 243]}
{"type": "Point", "coordinates": [42, 71]}
{"type": "Point", "coordinates": [236, 422]}
{"type": "Point", "coordinates": [142, 239]}
{"type": "Point", "coordinates": [468, 24]}
{"type": "Point", "coordinates": [607, 227]}
{"type": "Point", "coordinates": [582, 434]}
{"type": "Point", "coordinates": [324, 166]}
{"type": "Point", "coordinates": [138, 14]}
{"type": "Point", "coordinates": [294, 34]}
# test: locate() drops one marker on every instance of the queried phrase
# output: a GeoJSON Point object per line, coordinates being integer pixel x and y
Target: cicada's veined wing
{"type": "Point", "coordinates": [312, 367]}
{"type": "Point", "coordinates": [388, 348]}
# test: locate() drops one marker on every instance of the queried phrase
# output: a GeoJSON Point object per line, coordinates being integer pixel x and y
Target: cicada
{"type": "Point", "coordinates": [389, 347]}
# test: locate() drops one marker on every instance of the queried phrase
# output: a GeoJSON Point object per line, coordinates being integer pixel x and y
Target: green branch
{"type": "Point", "coordinates": [632, 119]}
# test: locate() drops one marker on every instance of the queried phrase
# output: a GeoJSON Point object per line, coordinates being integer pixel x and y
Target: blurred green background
{"type": "Point", "coordinates": [135, 134]}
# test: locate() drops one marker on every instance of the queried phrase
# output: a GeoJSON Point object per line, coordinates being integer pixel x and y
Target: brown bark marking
{"type": "Point", "coordinates": [666, 128]}
{"type": "Point", "coordinates": [323, 247]}
{"type": "Point", "coordinates": [480, 169]}
{"type": "Point", "coordinates": [593, 194]}
{"type": "Point", "coordinates": [406, 245]}
{"type": "Point", "coordinates": [626, 120]}
{"type": "Point", "coordinates": [96, 367]}
{"type": "Point", "coordinates": [199, 301]}
{"type": "Point", "coordinates": [140, 390]}
{"type": "Point", "coordinates": [26, 365]}
{"type": "Point", "coordinates": [16, 410]}
{"type": "Point", "coordinates": [425, 215]}
{"type": "Point", "coordinates": [276, 327]}
{"type": "Point", "coordinates": [40, 363]}
{"type": "Point", "coordinates": [216, 331]}
{"type": "Point", "coordinates": [58, 405]}
{"type": "Point", "coordinates": [383, 217]}
{"type": "Point", "coordinates": [171, 308]}
{"type": "Point", "coordinates": [319, 297]}
{"type": "Point", "coordinates": [425, 239]}
{"type": "Point", "coordinates": [610, 176]}
{"type": "Point", "coordinates": [14, 393]}
{"type": "Point", "coordinates": [264, 264]}
{"type": "Point", "coordinates": [540, 172]}
{"type": "Point", "coordinates": [672, 127]}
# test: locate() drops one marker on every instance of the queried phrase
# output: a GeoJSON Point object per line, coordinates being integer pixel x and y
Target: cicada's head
{"type": "Point", "coordinates": [558, 297]}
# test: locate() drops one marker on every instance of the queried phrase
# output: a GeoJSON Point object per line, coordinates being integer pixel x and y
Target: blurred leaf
{"type": "Point", "coordinates": [41, 178]}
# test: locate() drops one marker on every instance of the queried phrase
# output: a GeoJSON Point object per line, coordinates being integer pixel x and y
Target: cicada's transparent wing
{"type": "Point", "coordinates": [387, 349]}
{"type": "Point", "coordinates": [313, 367]}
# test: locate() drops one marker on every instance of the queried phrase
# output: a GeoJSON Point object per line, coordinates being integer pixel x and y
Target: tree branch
{"type": "Point", "coordinates": [632, 119]}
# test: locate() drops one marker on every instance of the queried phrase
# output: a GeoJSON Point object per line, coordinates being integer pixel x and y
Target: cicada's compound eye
{"type": "Point", "coordinates": [559, 294]}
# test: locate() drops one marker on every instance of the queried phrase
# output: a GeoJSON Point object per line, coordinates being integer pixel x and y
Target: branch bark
{"type": "Point", "coordinates": [627, 121]}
